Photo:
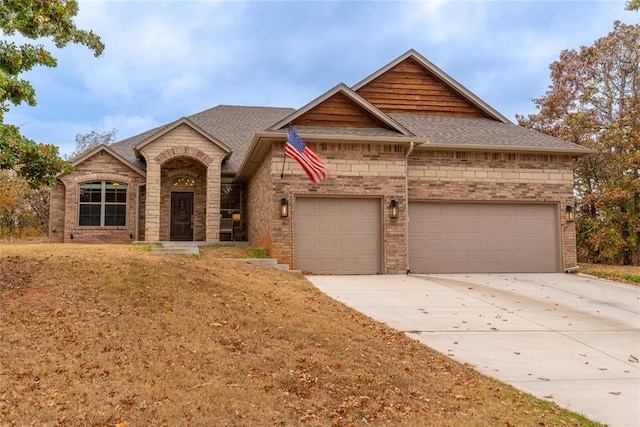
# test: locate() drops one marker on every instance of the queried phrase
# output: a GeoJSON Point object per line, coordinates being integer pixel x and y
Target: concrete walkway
{"type": "Point", "coordinates": [573, 339]}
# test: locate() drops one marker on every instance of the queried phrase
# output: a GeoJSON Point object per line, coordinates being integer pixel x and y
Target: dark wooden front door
{"type": "Point", "coordinates": [181, 216]}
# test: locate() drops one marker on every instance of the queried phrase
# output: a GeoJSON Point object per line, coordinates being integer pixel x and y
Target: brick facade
{"type": "Point", "coordinates": [182, 151]}
{"type": "Point", "coordinates": [493, 177]}
{"type": "Point", "coordinates": [63, 224]}
{"type": "Point", "coordinates": [365, 135]}
{"type": "Point", "coordinates": [373, 170]}
{"type": "Point", "coordinates": [357, 170]}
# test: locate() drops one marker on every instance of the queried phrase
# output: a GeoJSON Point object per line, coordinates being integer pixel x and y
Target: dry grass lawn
{"type": "Point", "coordinates": [108, 335]}
{"type": "Point", "coordinates": [619, 273]}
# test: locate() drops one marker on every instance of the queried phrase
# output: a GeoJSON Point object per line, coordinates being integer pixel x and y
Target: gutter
{"type": "Point", "coordinates": [509, 148]}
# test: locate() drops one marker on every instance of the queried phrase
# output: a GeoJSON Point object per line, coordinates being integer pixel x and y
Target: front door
{"type": "Point", "coordinates": [181, 216]}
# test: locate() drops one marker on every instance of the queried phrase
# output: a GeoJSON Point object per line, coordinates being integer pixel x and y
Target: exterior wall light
{"type": "Point", "coordinates": [394, 209]}
{"type": "Point", "coordinates": [284, 208]}
{"type": "Point", "coordinates": [235, 217]}
{"type": "Point", "coordinates": [570, 214]}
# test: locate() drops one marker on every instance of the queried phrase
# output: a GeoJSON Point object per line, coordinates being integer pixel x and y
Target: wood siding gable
{"type": "Point", "coordinates": [341, 107]}
{"type": "Point", "coordinates": [339, 111]}
{"type": "Point", "coordinates": [409, 88]}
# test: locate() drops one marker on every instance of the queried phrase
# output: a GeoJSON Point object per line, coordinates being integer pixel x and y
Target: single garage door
{"type": "Point", "coordinates": [338, 236]}
{"type": "Point", "coordinates": [483, 238]}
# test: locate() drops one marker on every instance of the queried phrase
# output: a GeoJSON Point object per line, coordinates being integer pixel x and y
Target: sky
{"type": "Point", "coordinates": [165, 59]}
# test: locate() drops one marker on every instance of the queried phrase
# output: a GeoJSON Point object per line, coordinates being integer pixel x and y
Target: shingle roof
{"type": "Point", "coordinates": [232, 125]}
{"type": "Point", "coordinates": [236, 125]}
{"type": "Point", "coordinates": [481, 132]}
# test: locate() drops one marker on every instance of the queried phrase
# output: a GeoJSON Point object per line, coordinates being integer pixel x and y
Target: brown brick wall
{"type": "Point", "coordinates": [101, 167]}
{"type": "Point", "coordinates": [370, 170]}
{"type": "Point", "coordinates": [142, 198]}
{"type": "Point", "coordinates": [56, 214]}
{"type": "Point", "coordinates": [366, 170]}
{"type": "Point", "coordinates": [261, 211]}
{"type": "Point", "coordinates": [507, 177]}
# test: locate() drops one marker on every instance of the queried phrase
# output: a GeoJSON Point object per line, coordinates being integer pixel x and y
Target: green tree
{"type": "Point", "coordinates": [633, 5]}
{"type": "Point", "coordinates": [89, 140]}
{"type": "Point", "coordinates": [33, 19]}
{"type": "Point", "coordinates": [594, 101]}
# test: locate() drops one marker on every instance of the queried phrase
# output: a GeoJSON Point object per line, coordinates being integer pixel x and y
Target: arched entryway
{"type": "Point", "coordinates": [183, 200]}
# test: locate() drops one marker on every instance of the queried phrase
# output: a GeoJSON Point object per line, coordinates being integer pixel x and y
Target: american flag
{"type": "Point", "coordinates": [310, 162]}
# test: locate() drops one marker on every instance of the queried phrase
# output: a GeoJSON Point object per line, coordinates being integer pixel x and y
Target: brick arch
{"type": "Point", "coordinates": [101, 177]}
{"type": "Point", "coordinates": [183, 151]}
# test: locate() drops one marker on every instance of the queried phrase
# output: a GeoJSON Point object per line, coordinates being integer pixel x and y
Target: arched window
{"type": "Point", "coordinates": [183, 181]}
{"type": "Point", "coordinates": [103, 204]}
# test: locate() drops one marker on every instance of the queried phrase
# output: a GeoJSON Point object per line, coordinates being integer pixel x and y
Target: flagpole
{"type": "Point", "coordinates": [284, 159]}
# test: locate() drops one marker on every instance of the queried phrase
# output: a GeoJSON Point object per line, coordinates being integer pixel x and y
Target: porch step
{"type": "Point", "coordinates": [180, 248]}
{"type": "Point", "coordinates": [266, 262]}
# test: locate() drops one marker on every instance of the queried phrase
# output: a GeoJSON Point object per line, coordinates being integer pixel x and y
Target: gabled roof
{"type": "Point", "coordinates": [246, 133]}
{"type": "Point", "coordinates": [439, 74]}
{"type": "Point", "coordinates": [367, 108]}
{"type": "Point", "coordinates": [183, 121]}
{"type": "Point", "coordinates": [232, 125]}
{"type": "Point", "coordinates": [106, 148]}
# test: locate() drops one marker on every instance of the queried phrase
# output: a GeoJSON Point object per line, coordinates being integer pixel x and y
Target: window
{"type": "Point", "coordinates": [230, 200]}
{"type": "Point", "coordinates": [103, 203]}
{"type": "Point", "coordinates": [183, 181]}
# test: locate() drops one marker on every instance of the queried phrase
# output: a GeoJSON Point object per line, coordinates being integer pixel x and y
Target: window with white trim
{"type": "Point", "coordinates": [103, 204]}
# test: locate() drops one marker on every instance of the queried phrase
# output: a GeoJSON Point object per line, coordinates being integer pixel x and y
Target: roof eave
{"type": "Point", "coordinates": [256, 151]}
{"type": "Point", "coordinates": [507, 148]}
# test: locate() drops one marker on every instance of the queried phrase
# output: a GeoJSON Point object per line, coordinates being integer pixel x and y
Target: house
{"type": "Point", "coordinates": [424, 177]}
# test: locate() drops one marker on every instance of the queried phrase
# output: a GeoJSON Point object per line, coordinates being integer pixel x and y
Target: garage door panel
{"type": "Point", "coordinates": [338, 236]}
{"type": "Point", "coordinates": [482, 237]}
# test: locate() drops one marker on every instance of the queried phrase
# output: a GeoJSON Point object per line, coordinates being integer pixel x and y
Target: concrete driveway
{"type": "Point", "coordinates": [573, 339]}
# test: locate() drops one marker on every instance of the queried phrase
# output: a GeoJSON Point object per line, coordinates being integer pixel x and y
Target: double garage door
{"type": "Point", "coordinates": [483, 238]}
{"type": "Point", "coordinates": [344, 236]}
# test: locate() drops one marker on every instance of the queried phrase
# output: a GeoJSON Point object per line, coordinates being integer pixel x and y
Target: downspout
{"type": "Point", "coordinates": [406, 201]}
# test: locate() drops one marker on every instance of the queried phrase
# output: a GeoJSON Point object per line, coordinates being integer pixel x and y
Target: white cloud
{"type": "Point", "coordinates": [150, 45]}
{"type": "Point", "coordinates": [165, 59]}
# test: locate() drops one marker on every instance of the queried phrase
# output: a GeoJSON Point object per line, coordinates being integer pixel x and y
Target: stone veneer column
{"type": "Point", "coordinates": [213, 202]}
{"type": "Point", "coordinates": [152, 210]}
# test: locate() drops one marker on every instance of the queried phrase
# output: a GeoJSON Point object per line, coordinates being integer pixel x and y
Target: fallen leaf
{"type": "Point", "coordinates": [633, 358]}
{"type": "Point", "coordinates": [617, 393]}
{"type": "Point", "coordinates": [548, 396]}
